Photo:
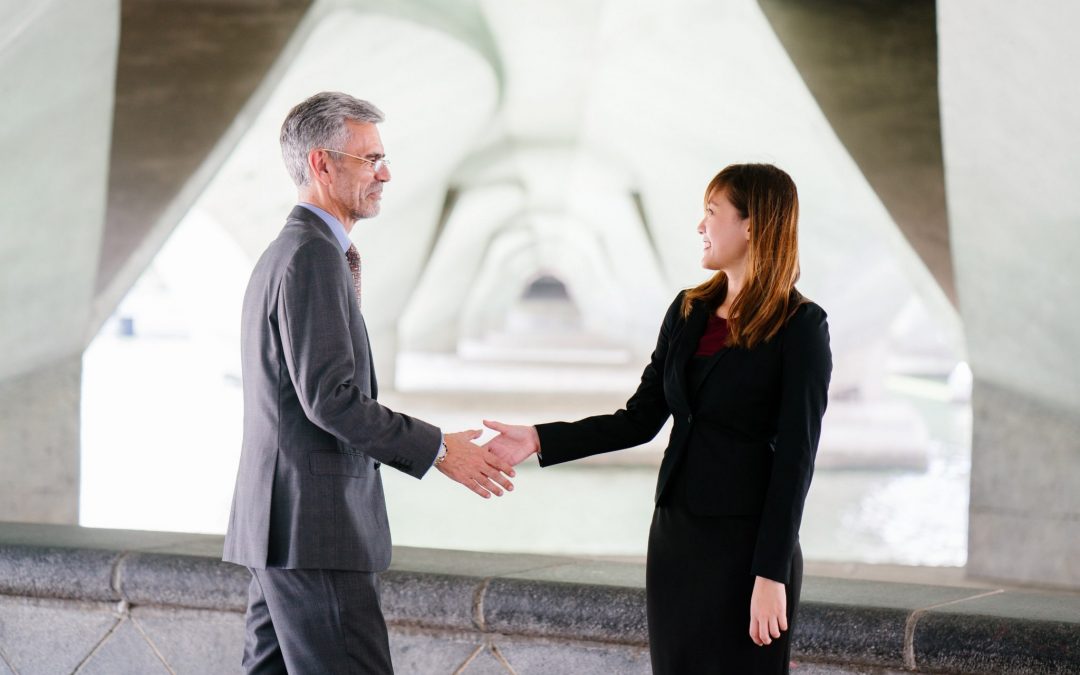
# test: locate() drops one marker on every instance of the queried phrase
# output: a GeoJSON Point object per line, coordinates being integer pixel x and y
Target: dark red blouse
{"type": "Point", "coordinates": [715, 337]}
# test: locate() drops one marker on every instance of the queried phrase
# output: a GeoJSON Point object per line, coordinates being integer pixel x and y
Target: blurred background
{"type": "Point", "coordinates": [549, 160]}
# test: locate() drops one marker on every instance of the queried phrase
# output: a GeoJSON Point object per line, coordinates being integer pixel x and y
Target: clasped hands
{"type": "Point", "coordinates": [487, 469]}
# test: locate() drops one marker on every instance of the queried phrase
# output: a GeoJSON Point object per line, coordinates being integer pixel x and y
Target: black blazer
{"type": "Point", "coordinates": [748, 436]}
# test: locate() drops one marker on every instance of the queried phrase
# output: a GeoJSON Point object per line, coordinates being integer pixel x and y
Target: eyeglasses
{"type": "Point", "coordinates": [377, 165]}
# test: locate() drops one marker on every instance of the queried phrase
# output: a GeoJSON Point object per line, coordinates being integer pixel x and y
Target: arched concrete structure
{"type": "Point", "coordinates": [1011, 121]}
{"type": "Point", "coordinates": [58, 61]}
{"type": "Point", "coordinates": [154, 96]}
{"type": "Point", "coordinates": [1005, 252]}
{"type": "Point", "coordinates": [872, 67]}
{"type": "Point", "coordinates": [431, 126]}
{"type": "Point", "coordinates": [175, 108]}
{"type": "Point", "coordinates": [574, 214]}
{"type": "Point", "coordinates": [837, 95]}
{"type": "Point", "coordinates": [191, 78]}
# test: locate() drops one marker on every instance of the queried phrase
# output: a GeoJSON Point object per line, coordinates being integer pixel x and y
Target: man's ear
{"type": "Point", "coordinates": [318, 166]}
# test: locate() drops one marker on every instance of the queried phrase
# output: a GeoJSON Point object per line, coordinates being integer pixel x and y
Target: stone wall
{"type": "Point", "coordinates": [108, 601]}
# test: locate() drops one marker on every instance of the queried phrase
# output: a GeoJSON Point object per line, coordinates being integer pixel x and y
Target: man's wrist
{"type": "Point", "coordinates": [441, 454]}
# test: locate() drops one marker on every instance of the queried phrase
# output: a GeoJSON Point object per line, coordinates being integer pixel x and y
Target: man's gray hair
{"type": "Point", "coordinates": [319, 122]}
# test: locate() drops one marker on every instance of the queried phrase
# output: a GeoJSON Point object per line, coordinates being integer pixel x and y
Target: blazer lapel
{"type": "Point", "coordinates": [686, 346]}
{"type": "Point", "coordinates": [306, 217]}
{"type": "Point", "coordinates": [695, 328]}
{"type": "Point", "coordinates": [709, 365]}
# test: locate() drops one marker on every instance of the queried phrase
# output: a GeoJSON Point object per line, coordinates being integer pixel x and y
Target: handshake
{"type": "Point", "coordinates": [487, 469]}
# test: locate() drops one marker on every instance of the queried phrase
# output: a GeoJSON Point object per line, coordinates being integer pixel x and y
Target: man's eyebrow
{"type": "Point", "coordinates": [375, 155]}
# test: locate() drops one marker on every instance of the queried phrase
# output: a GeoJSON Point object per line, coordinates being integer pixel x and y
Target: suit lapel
{"type": "Point", "coordinates": [306, 217]}
{"type": "Point", "coordinates": [709, 365]}
{"type": "Point", "coordinates": [695, 328]}
{"type": "Point", "coordinates": [686, 346]}
{"type": "Point", "coordinates": [371, 369]}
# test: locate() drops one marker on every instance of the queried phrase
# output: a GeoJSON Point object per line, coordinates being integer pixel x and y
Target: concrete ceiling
{"type": "Point", "coordinates": [57, 67]}
{"type": "Point", "coordinates": [873, 69]}
{"type": "Point", "coordinates": [591, 137]}
{"type": "Point", "coordinates": [185, 70]}
{"type": "Point", "coordinates": [583, 132]}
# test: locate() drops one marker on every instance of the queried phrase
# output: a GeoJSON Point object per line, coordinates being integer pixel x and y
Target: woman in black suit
{"type": "Point", "coordinates": [743, 364]}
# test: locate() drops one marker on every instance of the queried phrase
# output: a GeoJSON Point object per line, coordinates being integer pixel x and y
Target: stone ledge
{"type": "Point", "coordinates": [590, 612]}
{"type": "Point", "coordinates": [55, 572]}
{"type": "Point", "coordinates": [871, 625]}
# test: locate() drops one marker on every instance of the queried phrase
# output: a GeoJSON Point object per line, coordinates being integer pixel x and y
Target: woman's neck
{"type": "Point", "coordinates": [735, 279]}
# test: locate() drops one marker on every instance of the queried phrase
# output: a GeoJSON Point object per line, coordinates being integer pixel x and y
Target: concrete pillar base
{"type": "Point", "coordinates": [39, 444]}
{"type": "Point", "coordinates": [1025, 509]}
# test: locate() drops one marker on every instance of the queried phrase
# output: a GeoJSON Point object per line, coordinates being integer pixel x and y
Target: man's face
{"type": "Point", "coordinates": [357, 188]}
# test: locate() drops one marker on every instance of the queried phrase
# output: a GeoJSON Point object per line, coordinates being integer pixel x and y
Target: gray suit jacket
{"type": "Point", "coordinates": [308, 490]}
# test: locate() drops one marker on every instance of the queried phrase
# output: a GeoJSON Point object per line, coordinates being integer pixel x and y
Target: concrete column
{"type": "Point", "coordinates": [39, 443]}
{"type": "Point", "coordinates": [1025, 491]}
{"type": "Point", "coordinates": [872, 67]}
{"type": "Point", "coordinates": [57, 65]}
{"type": "Point", "coordinates": [1010, 114]}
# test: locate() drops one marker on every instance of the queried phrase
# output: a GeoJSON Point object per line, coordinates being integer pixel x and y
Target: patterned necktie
{"type": "Point", "coordinates": [353, 256]}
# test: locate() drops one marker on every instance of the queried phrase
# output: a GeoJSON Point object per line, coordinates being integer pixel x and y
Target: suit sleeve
{"type": "Point", "coordinates": [806, 367]}
{"type": "Point", "coordinates": [313, 319]}
{"type": "Point", "coordinates": [637, 423]}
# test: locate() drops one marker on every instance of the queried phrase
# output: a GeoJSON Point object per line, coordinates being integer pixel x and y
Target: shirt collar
{"type": "Point", "coordinates": [335, 225]}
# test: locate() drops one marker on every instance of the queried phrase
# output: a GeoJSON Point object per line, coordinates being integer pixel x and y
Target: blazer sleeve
{"type": "Point", "coordinates": [806, 367]}
{"type": "Point", "coordinates": [637, 423]}
{"type": "Point", "coordinates": [313, 321]}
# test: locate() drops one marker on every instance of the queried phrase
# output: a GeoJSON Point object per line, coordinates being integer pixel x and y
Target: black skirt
{"type": "Point", "coordinates": [698, 588]}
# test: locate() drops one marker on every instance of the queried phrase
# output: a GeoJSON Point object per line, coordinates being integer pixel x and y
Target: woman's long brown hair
{"type": "Point", "coordinates": [767, 196]}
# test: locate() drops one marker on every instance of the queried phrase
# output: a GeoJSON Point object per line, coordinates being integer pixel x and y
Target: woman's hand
{"type": "Point", "coordinates": [768, 611]}
{"type": "Point", "coordinates": [514, 443]}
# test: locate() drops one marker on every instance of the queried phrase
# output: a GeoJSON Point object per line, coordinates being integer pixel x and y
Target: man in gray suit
{"type": "Point", "coordinates": [308, 516]}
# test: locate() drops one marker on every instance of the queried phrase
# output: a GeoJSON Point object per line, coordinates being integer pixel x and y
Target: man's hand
{"type": "Point", "coordinates": [475, 467]}
{"type": "Point", "coordinates": [768, 611]}
{"type": "Point", "coordinates": [514, 443]}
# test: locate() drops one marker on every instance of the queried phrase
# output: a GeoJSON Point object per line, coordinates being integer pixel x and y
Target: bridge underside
{"type": "Point", "coordinates": [952, 125]}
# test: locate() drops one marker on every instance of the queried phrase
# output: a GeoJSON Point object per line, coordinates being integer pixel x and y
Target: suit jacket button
{"type": "Point", "coordinates": [690, 418]}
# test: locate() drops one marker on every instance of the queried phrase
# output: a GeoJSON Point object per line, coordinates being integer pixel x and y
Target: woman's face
{"type": "Point", "coordinates": [725, 234]}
